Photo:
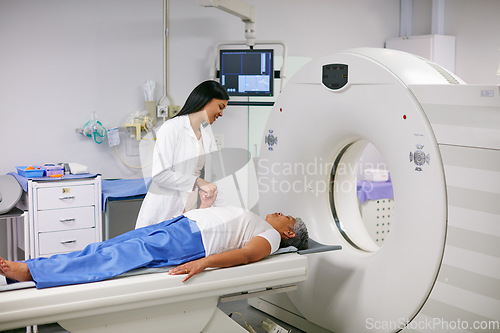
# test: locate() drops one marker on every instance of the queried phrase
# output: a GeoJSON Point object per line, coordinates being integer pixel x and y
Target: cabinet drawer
{"type": "Point", "coordinates": [66, 219]}
{"type": "Point", "coordinates": [65, 196]}
{"type": "Point", "coordinates": [65, 241]}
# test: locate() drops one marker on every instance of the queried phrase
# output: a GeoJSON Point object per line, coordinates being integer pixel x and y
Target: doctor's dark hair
{"type": "Point", "coordinates": [201, 95]}
{"type": "Point", "coordinates": [301, 239]}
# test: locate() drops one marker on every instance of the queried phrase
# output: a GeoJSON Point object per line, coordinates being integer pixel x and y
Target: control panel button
{"type": "Point", "coordinates": [419, 157]}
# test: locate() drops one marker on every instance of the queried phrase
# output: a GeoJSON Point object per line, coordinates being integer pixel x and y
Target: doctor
{"type": "Point", "coordinates": [181, 159]}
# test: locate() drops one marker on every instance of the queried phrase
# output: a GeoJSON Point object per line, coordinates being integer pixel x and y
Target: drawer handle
{"type": "Point", "coordinates": [68, 241]}
{"type": "Point", "coordinates": [67, 197]}
{"type": "Point", "coordinates": [67, 220]}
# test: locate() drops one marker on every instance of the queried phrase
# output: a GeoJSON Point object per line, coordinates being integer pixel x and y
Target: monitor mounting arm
{"type": "Point", "coordinates": [240, 9]}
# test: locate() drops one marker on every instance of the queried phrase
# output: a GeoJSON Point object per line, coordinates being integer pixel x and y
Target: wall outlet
{"type": "Point", "coordinates": [162, 111]}
{"type": "Point", "coordinates": [173, 110]}
{"type": "Point", "coordinates": [219, 141]}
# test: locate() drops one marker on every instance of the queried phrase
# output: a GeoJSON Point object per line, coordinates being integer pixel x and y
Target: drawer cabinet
{"type": "Point", "coordinates": [65, 196]}
{"type": "Point", "coordinates": [65, 241]}
{"type": "Point", "coordinates": [66, 219]}
{"type": "Point", "coordinates": [64, 215]}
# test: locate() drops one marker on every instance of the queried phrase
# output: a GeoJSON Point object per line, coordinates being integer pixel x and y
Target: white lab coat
{"type": "Point", "coordinates": [174, 162]}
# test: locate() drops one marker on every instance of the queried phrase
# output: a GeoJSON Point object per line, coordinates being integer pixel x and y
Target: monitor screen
{"type": "Point", "coordinates": [247, 72]}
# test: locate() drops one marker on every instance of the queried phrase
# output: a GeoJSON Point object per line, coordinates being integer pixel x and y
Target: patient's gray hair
{"type": "Point", "coordinates": [301, 239]}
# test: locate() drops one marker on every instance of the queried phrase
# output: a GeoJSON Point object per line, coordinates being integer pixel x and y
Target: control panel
{"type": "Point", "coordinates": [419, 157]}
{"type": "Point", "coordinates": [335, 76]}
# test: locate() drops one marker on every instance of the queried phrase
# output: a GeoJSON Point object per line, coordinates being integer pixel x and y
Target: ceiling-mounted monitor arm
{"type": "Point", "coordinates": [234, 7]}
{"type": "Point", "coordinates": [240, 9]}
{"type": "Point", "coordinates": [246, 13]}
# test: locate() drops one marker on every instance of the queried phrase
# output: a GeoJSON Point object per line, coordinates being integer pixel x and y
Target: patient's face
{"type": "Point", "coordinates": [282, 223]}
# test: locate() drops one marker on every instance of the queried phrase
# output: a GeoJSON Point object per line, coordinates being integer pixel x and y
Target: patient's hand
{"type": "Point", "coordinates": [190, 268]}
{"type": "Point", "coordinates": [206, 199]}
{"type": "Point", "coordinates": [206, 186]}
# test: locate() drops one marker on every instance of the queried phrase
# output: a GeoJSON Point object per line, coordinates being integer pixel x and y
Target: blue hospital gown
{"type": "Point", "coordinates": [171, 242]}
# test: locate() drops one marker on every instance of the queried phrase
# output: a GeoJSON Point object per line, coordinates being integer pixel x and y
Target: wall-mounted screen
{"type": "Point", "coordinates": [247, 72]}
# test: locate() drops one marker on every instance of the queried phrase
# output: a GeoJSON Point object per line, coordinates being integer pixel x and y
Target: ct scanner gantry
{"type": "Point", "coordinates": [439, 267]}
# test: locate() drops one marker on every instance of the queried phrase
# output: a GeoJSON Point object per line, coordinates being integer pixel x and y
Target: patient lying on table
{"type": "Point", "coordinates": [199, 239]}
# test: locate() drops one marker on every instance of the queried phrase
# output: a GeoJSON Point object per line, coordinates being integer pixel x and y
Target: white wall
{"type": "Point", "coordinates": [62, 59]}
{"type": "Point", "coordinates": [59, 61]}
{"type": "Point", "coordinates": [476, 25]}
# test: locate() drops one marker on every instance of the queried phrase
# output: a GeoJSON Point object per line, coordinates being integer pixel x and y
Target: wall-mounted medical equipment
{"type": "Point", "coordinates": [149, 99]}
{"type": "Point", "coordinates": [172, 109]}
{"type": "Point", "coordinates": [139, 139]}
{"type": "Point", "coordinates": [94, 129]}
{"type": "Point", "coordinates": [247, 72]}
{"type": "Point", "coordinates": [113, 137]}
{"type": "Point", "coordinates": [139, 121]}
{"type": "Point", "coordinates": [439, 264]}
{"type": "Point", "coordinates": [247, 14]}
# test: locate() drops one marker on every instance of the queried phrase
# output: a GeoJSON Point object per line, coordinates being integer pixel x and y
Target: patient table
{"type": "Point", "coordinates": [148, 302]}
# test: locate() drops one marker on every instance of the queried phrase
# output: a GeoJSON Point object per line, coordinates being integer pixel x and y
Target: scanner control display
{"type": "Point", "coordinates": [335, 76]}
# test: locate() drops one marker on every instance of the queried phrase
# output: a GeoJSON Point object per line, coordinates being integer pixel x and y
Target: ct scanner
{"type": "Point", "coordinates": [439, 268]}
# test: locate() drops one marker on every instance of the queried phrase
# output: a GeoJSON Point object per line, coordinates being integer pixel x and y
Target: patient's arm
{"type": "Point", "coordinates": [254, 250]}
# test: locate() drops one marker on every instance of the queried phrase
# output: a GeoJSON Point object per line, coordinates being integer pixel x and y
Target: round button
{"type": "Point", "coordinates": [419, 157]}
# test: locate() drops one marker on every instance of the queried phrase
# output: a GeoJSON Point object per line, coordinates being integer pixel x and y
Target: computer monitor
{"type": "Point", "coordinates": [247, 72]}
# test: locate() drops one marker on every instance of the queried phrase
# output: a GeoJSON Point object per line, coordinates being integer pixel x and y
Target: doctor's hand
{"type": "Point", "coordinates": [190, 268]}
{"type": "Point", "coordinates": [207, 187]}
{"type": "Point", "coordinates": [206, 200]}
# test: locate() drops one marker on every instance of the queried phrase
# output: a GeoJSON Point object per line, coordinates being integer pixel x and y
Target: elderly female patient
{"type": "Point", "coordinates": [201, 238]}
